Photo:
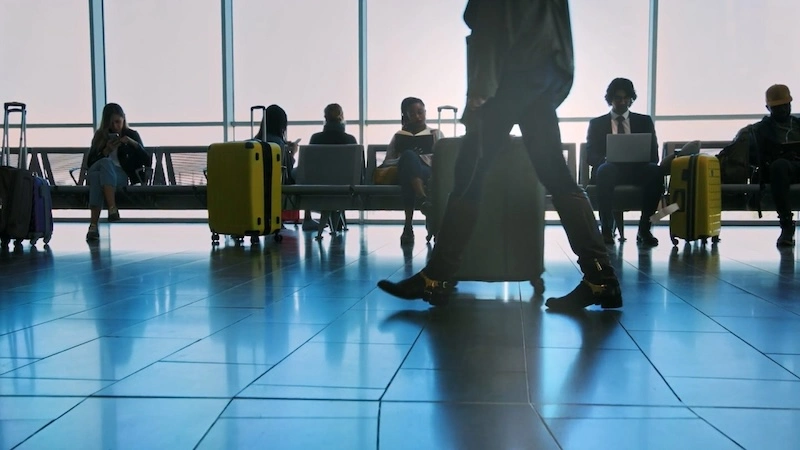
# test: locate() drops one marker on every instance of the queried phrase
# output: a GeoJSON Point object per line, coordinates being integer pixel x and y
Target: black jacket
{"type": "Point", "coordinates": [332, 134]}
{"type": "Point", "coordinates": [512, 39]}
{"type": "Point", "coordinates": [599, 127]}
{"type": "Point", "coordinates": [131, 157]}
{"type": "Point", "coordinates": [768, 142]}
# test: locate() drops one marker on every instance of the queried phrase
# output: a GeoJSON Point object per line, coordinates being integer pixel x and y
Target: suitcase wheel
{"type": "Point", "coordinates": [214, 238]}
{"type": "Point", "coordinates": [674, 241]}
{"type": "Point", "coordinates": [715, 239]}
{"type": "Point", "coordinates": [538, 286]}
{"type": "Point", "coordinates": [5, 242]}
{"type": "Point", "coordinates": [254, 240]}
{"type": "Point", "coordinates": [34, 241]}
{"type": "Point", "coordinates": [278, 238]}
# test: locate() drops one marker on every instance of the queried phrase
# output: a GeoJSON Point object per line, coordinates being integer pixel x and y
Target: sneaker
{"type": "Point", "coordinates": [92, 234]}
{"type": "Point", "coordinates": [113, 214]}
{"type": "Point", "coordinates": [419, 286]}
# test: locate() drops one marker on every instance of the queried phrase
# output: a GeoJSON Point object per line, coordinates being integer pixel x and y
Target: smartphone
{"type": "Point", "coordinates": [113, 135]}
{"type": "Point", "coordinates": [297, 141]}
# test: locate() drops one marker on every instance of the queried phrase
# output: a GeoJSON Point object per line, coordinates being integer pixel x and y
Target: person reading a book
{"type": "Point", "coordinates": [777, 139]}
{"type": "Point", "coordinates": [411, 150]}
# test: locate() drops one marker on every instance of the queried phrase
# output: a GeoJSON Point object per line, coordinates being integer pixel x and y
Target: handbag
{"type": "Point", "coordinates": [385, 175]}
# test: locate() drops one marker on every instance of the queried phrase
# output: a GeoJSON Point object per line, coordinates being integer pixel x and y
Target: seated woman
{"type": "Point", "coordinates": [273, 129]}
{"type": "Point", "coordinates": [413, 164]}
{"type": "Point", "coordinates": [116, 156]}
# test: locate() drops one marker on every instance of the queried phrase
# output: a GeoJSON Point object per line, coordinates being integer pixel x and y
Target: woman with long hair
{"type": "Point", "coordinates": [117, 153]}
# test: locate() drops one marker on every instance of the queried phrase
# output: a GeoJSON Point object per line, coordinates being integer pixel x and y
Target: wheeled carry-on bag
{"type": "Point", "coordinates": [694, 187]}
{"type": "Point", "coordinates": [508, 241]}
{"type": "Point", "coordinates": [26, 210]}
{"type": "Point", "coordinates": [244, 190]}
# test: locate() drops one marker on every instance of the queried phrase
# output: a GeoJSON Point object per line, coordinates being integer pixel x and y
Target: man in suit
{"type": "Point", "coordinates": [620, 95]}
{"type": "Point", "coordinates": [519, 69]}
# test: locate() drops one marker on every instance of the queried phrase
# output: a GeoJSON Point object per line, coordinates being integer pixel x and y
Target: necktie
{"type": "Point", "coordinates": [620, 125]}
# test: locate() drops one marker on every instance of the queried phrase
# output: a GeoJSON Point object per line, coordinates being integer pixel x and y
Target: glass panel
{"type": "Point", "coordinates": [720, 57]}
{"type": "Point", "coordinates": [45, 58]}
{"type": "Point", "coordinates": [610, 39]}
{"type": "Point", "coordinates": [300, 55]}
{"type": "Point", "coordinates": [164, 59]}
{"type": "Point", "coordinates": [415, 48]}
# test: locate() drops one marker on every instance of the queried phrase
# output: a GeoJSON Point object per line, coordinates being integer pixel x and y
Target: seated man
{"type": "Point", "coordinates": [607, 175]}
{"type": "Point", "coordinates": [778, 162]}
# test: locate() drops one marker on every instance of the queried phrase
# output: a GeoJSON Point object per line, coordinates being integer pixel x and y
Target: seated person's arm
{"type": "Point", "coordinates": [595, 148]}
{"type": "Point", "coordinates": [654, 144]}
{"type": "Point", "coordinates": [391, 157]}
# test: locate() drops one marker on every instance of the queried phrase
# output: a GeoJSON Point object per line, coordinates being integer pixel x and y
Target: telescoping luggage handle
{"type": "Point", "coordinates": [455, 117]}
{"type": "Point", "coordinates": [253, 110]}
{"type": "Point", "coordinates": [5, 152]}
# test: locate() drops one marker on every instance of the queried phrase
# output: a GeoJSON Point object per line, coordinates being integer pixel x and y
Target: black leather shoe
{"type": "Point", "coordinates": [646, 238]}
{"type": "Point", "coordinates": [419, 286]}
{"type": "Point", "coordinates": [606, 294]}
{"type": "Point", "coordinates": [113, 215]}
{"type": "Point", "coordinates": [608, 239]}
{"type": "Point", "coordinates": [786, 239]}
{"type": "Point", "coordinates": [407, 238]}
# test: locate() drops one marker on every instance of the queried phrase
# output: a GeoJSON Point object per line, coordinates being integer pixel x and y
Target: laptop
{"type": "Point", "coordinates": [628, 148]}
{"type": "Point", "coordinates": [421, 144]}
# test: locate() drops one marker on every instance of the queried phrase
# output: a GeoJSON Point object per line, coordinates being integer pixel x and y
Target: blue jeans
{"type": "Point", "coordinates": [410, 166]}
{"type": "Point", "coordinates": [104, 173]}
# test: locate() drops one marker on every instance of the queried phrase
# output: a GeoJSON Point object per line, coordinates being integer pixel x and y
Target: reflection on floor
{"type": "Point", "coordinates": [152, 339]}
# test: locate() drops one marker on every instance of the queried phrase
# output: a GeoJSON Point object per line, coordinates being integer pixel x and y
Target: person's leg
{"type": "Point", "coordinates": [478, 149]}
{"type": "Point", "coordinates": [408, 175]}
{"type": "Point", "coordinates": [599, 286]}
{"type": "Point", "coordinates": [650, 178]}
{"type": "Point", "coordinates": [781, 174]}
{"type": "Point", "coordinates": [95, 200]}
{"type": "Point", "coordinates": [606, 179]}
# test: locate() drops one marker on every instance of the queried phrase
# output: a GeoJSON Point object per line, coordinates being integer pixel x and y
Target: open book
{"type": "Point", "coordinates": [421, 144]}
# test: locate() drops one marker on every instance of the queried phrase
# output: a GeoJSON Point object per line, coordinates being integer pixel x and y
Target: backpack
{"type": "Point", "coordinates": [734, 159]}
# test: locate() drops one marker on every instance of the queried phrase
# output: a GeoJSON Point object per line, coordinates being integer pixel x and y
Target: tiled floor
{"type": "Point", "coordinates": [153, 339]}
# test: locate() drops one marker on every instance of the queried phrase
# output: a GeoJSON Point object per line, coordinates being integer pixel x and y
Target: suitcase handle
{"type": "Point", "coordinates": [455, 117]}
{"type": "Point", "coordinates": [253, 110]}
{"type": "Point", "coordinates": [14, 106]}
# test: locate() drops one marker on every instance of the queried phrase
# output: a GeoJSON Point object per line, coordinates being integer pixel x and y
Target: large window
{"type": "Point", "coordinates": [163, 59]}
{"type": "Point", "coordinates": [301, 55]}
{"type": "Point", "coordinates": [720, 57]}
{"type": "Point", "coordinates": [415, 48]}
{"type": "Point", "coordinates": [610, 39]}
{"type": "Point", "coordinates": [44, 60]}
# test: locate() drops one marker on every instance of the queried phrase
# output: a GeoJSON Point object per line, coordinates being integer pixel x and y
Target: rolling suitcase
{"type": "Point", "coordinates": [26, 210]}
{"type": "Point", "coordinates": [508, 241]}
{"type": "Point", "coordinates": [244, 189]}
{"type": "Point", "coordinates": [694, 187]}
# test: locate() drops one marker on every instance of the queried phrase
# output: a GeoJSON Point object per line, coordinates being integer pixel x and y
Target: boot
{"type": "Point", "coordinates": [598, 287]}
{"type": "Point", "coordinates": [786, 239]}
{"type": "Point", "coordinates": [420, 286]}
{"type": "Point", "coordinates": [434, 283]}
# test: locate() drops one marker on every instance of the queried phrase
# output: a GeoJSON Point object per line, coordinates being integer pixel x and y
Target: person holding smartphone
{"type": "Point", "coordinates": [115, 158]}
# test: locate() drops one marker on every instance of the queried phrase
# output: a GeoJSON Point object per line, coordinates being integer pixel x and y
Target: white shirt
{"type": "Point", "coordinates": [626, 123]}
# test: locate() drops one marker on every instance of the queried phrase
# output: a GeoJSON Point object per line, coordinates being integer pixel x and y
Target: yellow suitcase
{"type": "Point", "coordinates": [244, 190]}
{"type": "Point", "coordinates": [695, 187]}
